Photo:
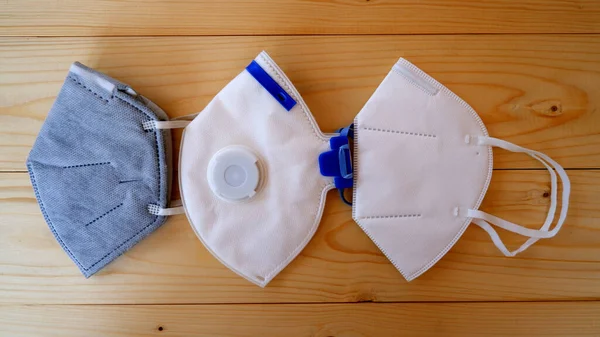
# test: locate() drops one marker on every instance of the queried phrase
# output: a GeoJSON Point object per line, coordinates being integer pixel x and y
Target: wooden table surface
{"type": "Point", "coordinates": [530, 68]}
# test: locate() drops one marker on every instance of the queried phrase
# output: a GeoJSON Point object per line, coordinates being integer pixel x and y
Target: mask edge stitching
{"type": "Point", "coordinates": [355, 165]}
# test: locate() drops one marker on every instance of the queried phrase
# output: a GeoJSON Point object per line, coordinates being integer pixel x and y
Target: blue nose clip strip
{"type": "Point", "coordinates": [271, 86]}
{"type": "Point", "coordinates": [337, 162]}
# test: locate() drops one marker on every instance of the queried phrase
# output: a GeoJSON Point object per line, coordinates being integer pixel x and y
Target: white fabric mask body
{"type": "Point", "coordinates": [423, 163]}
{"type": "Point", "coordinates": [261, 234]}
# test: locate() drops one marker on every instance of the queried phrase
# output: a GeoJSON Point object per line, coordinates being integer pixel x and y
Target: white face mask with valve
{"type": "Point", "coordinates": [248, 172]}
{"type": "Point", "coordinates": [255, 168]}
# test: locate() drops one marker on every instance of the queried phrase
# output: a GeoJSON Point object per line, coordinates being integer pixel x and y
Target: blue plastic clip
{"type": "Point", "coordinates": [347, 131]}
{"type": "Point", "coordinates": [337, 162]}
{"type": "Point", "coordinates": [345, 161]}
{"type": "Point", "coordinates": [271, 86]}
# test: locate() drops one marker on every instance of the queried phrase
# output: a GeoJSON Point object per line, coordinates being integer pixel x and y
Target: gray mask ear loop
{"type": "Point", "coordinates": [157, 210]}
{"type": "Point", "coordinates": [175, 123]}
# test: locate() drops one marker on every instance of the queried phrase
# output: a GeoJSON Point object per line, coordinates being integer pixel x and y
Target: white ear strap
{"type": "Point", "coordinates": [176, 209]}
{"type": "Point", "coordinates": [153, 125]}
{"type": "Point", "coordinates": [175, 123]}
{"type": "Point", "coordinates": [483, 219]}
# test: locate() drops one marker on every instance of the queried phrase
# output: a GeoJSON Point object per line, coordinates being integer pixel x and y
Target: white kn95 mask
{"type": "Point", "coordinates": [423, 163]}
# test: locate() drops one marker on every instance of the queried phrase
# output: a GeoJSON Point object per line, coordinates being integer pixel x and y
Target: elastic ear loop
{"type": "Point", "coordinates": [483, 219]}
{"type": "Point", "coordinates": [176, 208]}
{"type": "Point", "coordinates": [175, 123]}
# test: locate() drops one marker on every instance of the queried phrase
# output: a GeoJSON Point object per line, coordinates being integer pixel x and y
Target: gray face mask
{"type": "Point", "coordinates": [99, 177]}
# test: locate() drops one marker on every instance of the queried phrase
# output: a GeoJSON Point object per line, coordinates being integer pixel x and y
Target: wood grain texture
{"type": "Point", "coordinates": [537, 91]}
{"type": "Point", "coordinates": [340, 264]}
{"type": "Point", "coordinates": [530, 68]}
{"type": "Point", "coordinates": [314, 320]}
{"type": "Point", "coordinates": [282, 17]}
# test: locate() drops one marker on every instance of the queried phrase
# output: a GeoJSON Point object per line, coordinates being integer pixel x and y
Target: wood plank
{"type": "Point", "coordinates": [246, 17]}
{"type": "Point", "coordinates": [340, 264]}
{"type": "Point", "coordinates": [512, 81]}
{"type": "Point", "coordinates": [339, 320]}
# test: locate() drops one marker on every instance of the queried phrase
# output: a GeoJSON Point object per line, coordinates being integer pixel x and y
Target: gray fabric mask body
{"type": "Point", "coordinates": [95, 170]}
